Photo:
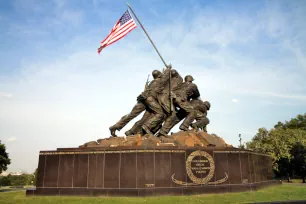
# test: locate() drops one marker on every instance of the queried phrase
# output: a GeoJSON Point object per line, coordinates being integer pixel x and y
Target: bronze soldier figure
{"type": "Point", "coordinates": [201, 114]}
{"type": "Point", "coordinates": [182, 95]}
{"type": "Point", "coordinates": [164, 101]}
{"type": "Point", "coordinates": [152, 94]}
{"type": "Point", "coordinates": [146, 100]}
{"type": "Point", "coordinates": [202, 121]}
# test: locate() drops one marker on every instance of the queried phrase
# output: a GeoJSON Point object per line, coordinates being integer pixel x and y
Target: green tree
{"type": "Point", "coordinates": [278, 143]}
{"type": "Point", "coordinates": [5, 181]}
{"type": "Point", "coordinates": [4, 158]}
{"type": "Point", "coordinates": [298, 161]}
{"type": "Point", "coordinates": [20, 180]}
{"type": "Point", "coordinates": [299, 122]}
{"type": "Point", "coordinates": [284, 168]}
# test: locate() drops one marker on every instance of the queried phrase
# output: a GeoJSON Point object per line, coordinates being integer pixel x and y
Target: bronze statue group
{"type": "Point", "coordinates": [164, 108]}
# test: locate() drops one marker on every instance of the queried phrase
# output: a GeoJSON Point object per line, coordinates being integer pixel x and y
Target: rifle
{"type": "Point", "coordinates": [147, 83]}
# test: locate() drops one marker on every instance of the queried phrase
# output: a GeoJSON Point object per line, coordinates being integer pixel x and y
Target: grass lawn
{"type": "Point", "coordinates": [277, 193]}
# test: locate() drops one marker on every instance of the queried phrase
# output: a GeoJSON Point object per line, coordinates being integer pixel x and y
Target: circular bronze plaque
{"type": "Point", "coordinates": [200, 167]}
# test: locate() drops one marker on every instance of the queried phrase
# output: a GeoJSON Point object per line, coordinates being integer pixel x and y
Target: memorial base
{"type": "Point", "coordinates": [125, 171]}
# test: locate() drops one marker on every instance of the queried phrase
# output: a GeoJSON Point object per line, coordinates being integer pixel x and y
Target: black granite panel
{"type": "Point", "coordinates": [254, 162]}
{"type": "Point", "coordinates": [51, 171]}
{"type": "Point", "coordinates": [251, 168]}
{"type": "Point", "coordinates": [128, 170]}
{"type": "Point", "coordinates": [270, 174]}
{"type": "Point", "coordinates": [145, 169]}
{"type": "Point", "coordinates": [128, 192]}
{"type": "Point", "coordinates": [178, 168]}
{"type": "Point", "coordinates": [80, 170]}
{"type": "Point", "coordinates": [163, 169]}
{"type": "Point", "coordinates": [99, 192]}
{"type": "Point", "coordinates": [49, 191]}
{"type": "Point", "coordinates": [256, 168]}
{"type": "Point", "coordinates": [146, 192]}
{"type": "Point", "coordinates": [111, 170]}
{"type": "Point", "coordinates": [245, 173]}
{"type": "Point", "coordinates": [99, 181]}
{"type": "Point", "coordinates": [65, 177]}
{"type": "Point", "coordinates": [41, 170]}
{"type": "Point", "coordinates": [221, 168]}
{"type": "Point", "coordinates": [234, 168]}
{"type": "Point", "coordinates": [92, 172]}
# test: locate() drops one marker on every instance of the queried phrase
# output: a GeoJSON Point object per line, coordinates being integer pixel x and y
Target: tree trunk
{"type": "Point", "coordinates": [288, 179]}
{"type": "Point", "coordinates": [304, 181]}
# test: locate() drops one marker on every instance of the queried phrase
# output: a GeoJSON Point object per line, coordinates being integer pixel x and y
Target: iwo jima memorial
{"type": "Point", "coordinates": [148, 161]}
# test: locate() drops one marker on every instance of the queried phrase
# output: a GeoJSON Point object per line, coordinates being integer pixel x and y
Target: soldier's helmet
{"type": "Point", "coordinates": [174, 73]}
{"type": "Point", "coordinates": [156, 74]}
{"type": "Point", "coordinates": [188, 78]}
{"type": "Point", "coordinates": [207, 104]}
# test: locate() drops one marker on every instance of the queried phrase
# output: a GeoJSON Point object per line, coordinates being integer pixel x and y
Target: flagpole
{"type": "Point", "coordinates": [147, 34]}
{"type": "Point", "coordinates": [144, 30]}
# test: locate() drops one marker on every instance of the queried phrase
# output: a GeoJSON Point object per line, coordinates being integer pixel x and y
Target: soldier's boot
{"type": "Point", "coordinates": [194, 126]}
{"type": "Point", "coordinates": [128, 133]}
{"type": "Point", "coordinates": [113, 130]}
{"type": "Point", "coordinates": [183, 127]}
{"type": "Point", "coordinates": [161, 133]}
{"type": "Point", "coordinates": [147, 130]}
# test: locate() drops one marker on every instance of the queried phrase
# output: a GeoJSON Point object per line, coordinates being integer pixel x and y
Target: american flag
{"type": "Point", "coordinates": [125, 25]}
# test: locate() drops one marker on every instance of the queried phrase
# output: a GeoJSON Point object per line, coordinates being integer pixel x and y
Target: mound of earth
{"type": "Point", "coordinates": [183, 138]}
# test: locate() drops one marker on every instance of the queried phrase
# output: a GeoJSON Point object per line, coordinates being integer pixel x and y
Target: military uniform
{"type": "Point", "coordinates": [182, 95]}
{"type": "Point", "coordinates": [151, 96]}
{"type": "Point", "coordinates": [164, 100]}
{"type": "Point", "coordinates": [186, 91]}
{"type": "Point", "coordinates": [200, 117]}
{"type": "Point", "coordinates": [201, 114]}
{"type": "Point", "coordinates": [146, 100]}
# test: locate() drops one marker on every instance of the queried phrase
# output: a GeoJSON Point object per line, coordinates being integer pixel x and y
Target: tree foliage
{"type": "Point", "coordinates": [295, 123]}
{"type": "Point", "coordinates": [284, 143]}
{"type": "Point", "coordinates": [298, 161]}
{"type": "Point", "coordinates": [17, 180]}
{"type": "Point", "coordinates": [4, 158]}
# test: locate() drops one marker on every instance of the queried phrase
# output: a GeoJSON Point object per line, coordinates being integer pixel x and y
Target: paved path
{"type": "Point", "coordinates": [11, 189]}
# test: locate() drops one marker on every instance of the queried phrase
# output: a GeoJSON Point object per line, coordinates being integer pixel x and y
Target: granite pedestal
{"type": "Point", "coordinates": [130, 171]}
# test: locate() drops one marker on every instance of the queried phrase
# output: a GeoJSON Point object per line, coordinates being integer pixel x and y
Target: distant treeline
{"type": "Point", "coordinates": [20, 180]}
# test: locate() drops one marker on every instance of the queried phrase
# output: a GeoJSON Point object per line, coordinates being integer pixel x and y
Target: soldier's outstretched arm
{"type": "Point", "coordinates": [196, 92]}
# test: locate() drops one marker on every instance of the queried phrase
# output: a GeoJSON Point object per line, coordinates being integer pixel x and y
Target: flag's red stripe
{"type": "Point", "coordinates": [118, 38]}
{"type": "Point", "coordinates": [111, 33]}
{"type": "Point", "coordinates": [123, 33]}
{"type": "Point", "coordinates": [117, 32]}
{"type": "Point", "coordinates": [111, 36]}
{"type": "Point", "coordinates": [126, 28]}
{"type": "Point", "coordinates": [119, 29]}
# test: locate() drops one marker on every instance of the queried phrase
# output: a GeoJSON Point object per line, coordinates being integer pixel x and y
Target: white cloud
{"type": "Point", "coordinates": [11, 139]}
{"type": "Point", "coordinates": [5, 95]}
{"type": "Point", "coordinates": [234, 100]}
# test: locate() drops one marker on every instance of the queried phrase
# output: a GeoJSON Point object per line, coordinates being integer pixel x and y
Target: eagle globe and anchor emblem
{"type": "Point", "coordinates": [200, 168]}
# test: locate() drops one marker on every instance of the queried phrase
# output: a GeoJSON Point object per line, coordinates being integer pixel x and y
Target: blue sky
{"type": "Point", "coordinates": [248, 59]}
